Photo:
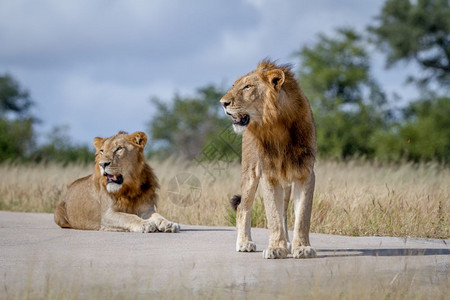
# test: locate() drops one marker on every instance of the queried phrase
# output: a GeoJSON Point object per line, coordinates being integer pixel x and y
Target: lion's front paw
{"type": "Point", "coordinates": [150, 227]}
{"type": "Point", "coordinates": [172, 227]}
{"type": "Point", "coordinates": [166, 226]}
{"type": "Point", "coordinates": [143, 228]}
{"type": "Point", "coordinates": [304, 252]}
{"type": "Point", "coordinates": [274, 253]}
{"type": "Point", "coordinates": [176, 227]}
{"type": "Point", "coordinates": [248, 246]}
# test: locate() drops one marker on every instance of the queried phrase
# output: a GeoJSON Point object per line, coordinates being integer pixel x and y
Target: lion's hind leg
{"type": "Point", "coordinates": [60, 215]}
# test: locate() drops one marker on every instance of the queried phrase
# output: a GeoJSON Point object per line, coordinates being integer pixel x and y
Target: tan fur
{"type": "Point", "coordinates": [91, 203]}
{"type": "Point", "coordinates": [278, 151]}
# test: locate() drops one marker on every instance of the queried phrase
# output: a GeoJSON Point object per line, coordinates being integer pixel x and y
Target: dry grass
{"type": "Point", "coordinates": [35, 188]}
{"type": "Point", "coordinates": [354, 198]}
{"type": "Point", "coordinates": [359, 198]}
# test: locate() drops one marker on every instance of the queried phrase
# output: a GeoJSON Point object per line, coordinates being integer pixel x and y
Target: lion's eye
{"type": "Point", "coordinates": [246, 87]}
{"type": "Point", "coordinates": [118, 149]}
{"type": "Point", "coordinates": [101, 151]}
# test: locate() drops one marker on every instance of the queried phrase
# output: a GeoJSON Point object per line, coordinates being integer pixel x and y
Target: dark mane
{"type": "Point", "coordinates": [286, 137]}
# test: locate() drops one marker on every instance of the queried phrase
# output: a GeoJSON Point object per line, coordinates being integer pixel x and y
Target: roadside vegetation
{"type": "Point", "coordinates": [356, 197]}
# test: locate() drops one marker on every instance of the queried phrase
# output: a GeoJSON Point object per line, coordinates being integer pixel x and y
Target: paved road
{"type": "Point", "coordinates": [39, 259]}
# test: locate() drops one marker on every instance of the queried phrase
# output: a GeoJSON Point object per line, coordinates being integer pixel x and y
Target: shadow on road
{"type": "Point", "coordinates": [381, 252]}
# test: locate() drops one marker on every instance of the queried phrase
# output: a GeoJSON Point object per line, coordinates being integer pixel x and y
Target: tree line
{"type": "Point", "coordinates": [17, 131]}
{"type": "Point", "coordinates": [354, 116]}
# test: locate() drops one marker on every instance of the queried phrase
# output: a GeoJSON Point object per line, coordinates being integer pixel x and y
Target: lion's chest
{"type": "Point", "coordinates": [123, 204]}
{"type": "Point", "coordinates": [284, 164]}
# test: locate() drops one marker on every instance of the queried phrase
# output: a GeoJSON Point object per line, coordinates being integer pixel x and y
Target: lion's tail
{"type": "Point", "coordinates": [235, 201]}
{"type": "Point", "coordinates": [61, 215]}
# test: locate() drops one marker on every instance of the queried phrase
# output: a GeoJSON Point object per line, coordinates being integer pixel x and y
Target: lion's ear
{"type": "Point", "coordinates": [139, 138]}
{"type": "Point", "coordinates": [275, 78]}
{"type": "Point", "coordinates": [98, 142]}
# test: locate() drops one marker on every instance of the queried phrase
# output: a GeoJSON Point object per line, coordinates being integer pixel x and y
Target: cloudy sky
{"type": "Point", "coordinates": [94, 64]}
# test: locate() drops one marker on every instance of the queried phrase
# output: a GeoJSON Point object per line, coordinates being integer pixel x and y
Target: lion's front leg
{"type": "Point", "coordinates": [303, 198]}
{"type": "Point", "coordinates": [244, 241]}
{"type": "Point", "coordinates": [274, 203]}
{"type": "Point", "coordinates": [287, 198]}
{"type": "Point", "coordinates": [119, 221]}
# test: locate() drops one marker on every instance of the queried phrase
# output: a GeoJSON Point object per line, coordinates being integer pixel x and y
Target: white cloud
{"type": "Point", "coordinates": [81, 57]}
{"type": "Point", "coordinates": [103, 108]}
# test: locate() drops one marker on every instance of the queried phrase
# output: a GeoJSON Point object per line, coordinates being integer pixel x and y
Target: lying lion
{"type": "Point", "coordinates": [278, 150]}
{"type": "Point", "coordinates": [120, 195]}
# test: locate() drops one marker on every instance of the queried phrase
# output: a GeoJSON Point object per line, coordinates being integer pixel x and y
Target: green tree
{"type": "Point", "coordinates": [416, 31]}
{"type": "Point", "coordinates": [16, 122]}
{"type": "Point", "coordinates": [16, 139]}
{"type": "Point", "coordinates": [186, 125]}
{"type": "Point", "coordinates": [60, 148]}
{"type": "Point", "coordinates": [424, 134]}
{"type": "Point", "coordinates": [348, 104]}
{"type": "Point", "coordinates": [13, 98]}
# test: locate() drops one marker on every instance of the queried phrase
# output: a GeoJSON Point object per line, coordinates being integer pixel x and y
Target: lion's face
{"type": "Point", "coordinates": [248, 100]}
{"type": "Point", "coordinates": [119, 159]}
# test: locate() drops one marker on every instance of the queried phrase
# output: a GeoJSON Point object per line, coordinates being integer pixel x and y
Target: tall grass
{"type": "Point", "coordinates": [360, 198]}
{"type": "Point", "coordinates": [36, 188]}
{"type": "Point", "coordinates": [351, 198]}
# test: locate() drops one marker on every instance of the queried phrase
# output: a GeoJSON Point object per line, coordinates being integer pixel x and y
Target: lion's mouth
{"type": "Point", "coordinates": [118, 179]}
{"type": "Point", "coordinates": [241, 120]}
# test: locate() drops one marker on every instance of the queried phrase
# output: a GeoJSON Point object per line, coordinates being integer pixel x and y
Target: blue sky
{"type": "Point", "coordinates": [94, 64]}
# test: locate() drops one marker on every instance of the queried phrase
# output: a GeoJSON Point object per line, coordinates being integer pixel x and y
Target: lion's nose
{"type": "Point", "coordinates": [225, 103]}
{"type": "Point", "coordinates": [104, 164]}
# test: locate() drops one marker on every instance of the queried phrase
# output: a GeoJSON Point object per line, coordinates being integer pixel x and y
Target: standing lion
{"type": "Point", "coordinates": [120, 195]}
{"type": "Point", "coordinates": [278, 150]}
